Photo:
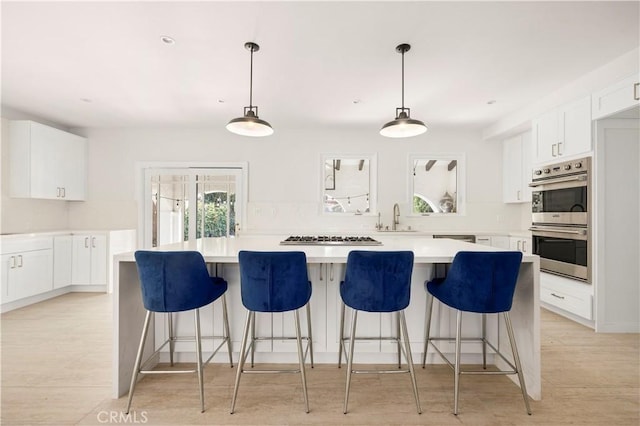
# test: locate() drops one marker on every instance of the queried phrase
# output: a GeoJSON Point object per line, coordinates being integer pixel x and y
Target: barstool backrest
{"type": "Point", "coordinates": [377, 281]}
{"type": "Point", "coordinates": [482, 282]}
{"type": "Point", "coordinates": [274, 281]}
{"type": "Point", "coordinates": [175, 281]}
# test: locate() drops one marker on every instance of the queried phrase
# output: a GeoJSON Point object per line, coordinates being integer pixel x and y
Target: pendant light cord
{"type": "Point", "coordinates": [402, 80]}
{"type": "Point", "coordinates": [251, 81]}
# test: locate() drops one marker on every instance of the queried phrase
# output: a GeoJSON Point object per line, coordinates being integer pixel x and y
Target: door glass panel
{"type": "Point", "coordinates": [168, 198]}
{"type": "Point", "coordinates": [184, 204]}
{"type": "Point", "coordinates": [216, 215]}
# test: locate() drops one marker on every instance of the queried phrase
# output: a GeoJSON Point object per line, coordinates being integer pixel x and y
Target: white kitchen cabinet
{"type": "Point", "coordinates": [46, 162]}
{"type": "Point", "coordinates": [499, 241]}
{"type": "Point", "coordinates": [516, 168]}
{"type": "Point", "coordinates": [566, 294]}
{"type": "Point", "coordinates": [62, 260]}
{"type": "Point", "coordinates": [27, 268]}
{"type": "Point", "coordinates": [522, 244]}
{"type": "Point", "coordinates": [616, 98]}
{"type": "Point", "coordinates": [89, 265]}
{"type": "Point", "coordinates": [562, 132]}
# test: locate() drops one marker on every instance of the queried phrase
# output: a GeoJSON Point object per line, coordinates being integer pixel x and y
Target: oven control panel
{"type": "Point", "coordinates": [572, 167]}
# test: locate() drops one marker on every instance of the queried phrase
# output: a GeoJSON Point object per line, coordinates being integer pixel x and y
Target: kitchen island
{"type": "Point", "coordinates": [326, 270]}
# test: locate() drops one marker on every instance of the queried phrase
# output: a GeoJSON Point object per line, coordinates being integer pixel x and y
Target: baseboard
{"type": "Point", "coordinates": [21, 303]}
{"type": "Point", "coordinates": [568, 315]}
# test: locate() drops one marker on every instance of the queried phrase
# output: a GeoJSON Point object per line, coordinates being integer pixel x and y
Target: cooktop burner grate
{"type": "Point", "coordinates": [328, 240]}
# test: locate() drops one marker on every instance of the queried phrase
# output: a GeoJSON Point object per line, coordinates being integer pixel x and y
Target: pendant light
{"type": "Point", "coordinates": [403, 126]}
{"type": "Point", "coordinates": [250, 124]}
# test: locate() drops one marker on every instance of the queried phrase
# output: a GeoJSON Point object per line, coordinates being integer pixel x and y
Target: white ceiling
{"type": "Point", "coordinates": [90, 64]}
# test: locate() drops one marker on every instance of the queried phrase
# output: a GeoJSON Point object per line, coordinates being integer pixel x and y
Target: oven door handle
{"type": "Point", "coordinates": [577, 178]}
{"type": "Point", "coordinates": [559, 230]}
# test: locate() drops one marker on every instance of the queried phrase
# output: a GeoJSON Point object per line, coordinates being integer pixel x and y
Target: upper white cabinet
{"type": "Point", "coordinates": [564, 131]}
{"type": "Point", "coordinates": [46, 162]}
{"type": "Point", "coordinates": [616, 98]}
{"type": "Point", "coordinates": [516, 168]}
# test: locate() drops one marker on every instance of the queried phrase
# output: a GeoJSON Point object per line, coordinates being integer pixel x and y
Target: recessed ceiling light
{"type": "Point", "coordinates": [87, 100]}
{"type": "Point", "coordinates": [491, 102]}
{"type": "Point", "coordinates": [356, 101]}
{"type": "Point", "coordinates": [167, 40]}
{"type": "Point", "coordinates": [220, 101]}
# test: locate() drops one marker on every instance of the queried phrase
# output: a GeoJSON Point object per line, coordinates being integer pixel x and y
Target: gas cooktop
{"type": "Point", "coordinates": [330, 240]}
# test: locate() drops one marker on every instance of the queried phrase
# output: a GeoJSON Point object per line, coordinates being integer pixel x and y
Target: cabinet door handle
{"type": "Point", "coordinates": [518, 194]}
{"type": "Point", "coordinates": [19, 261]}
{"type": "Point", "coordinates": [64, 192]}
{"type": "Point", "coordinates": [559, 146]}
{"type": "Point", "coordinates": [558, 297]}
{"type": "Point", "coordinates": [86, 242]}
{"type": "Point", "coordinates": [93, 242]}
{"type": "Point", "coordinates": [58, 192]}
{"type": "Point", "coordinates": [636, 95]}
{"type": "Point", "coordinates": [554, 150]}
{"type": "Point", "coordinates": [321, 266]}
{"type": "Point", "coordinates": [12, 262]}
{"type": "Point", "coordinates": [518, 244]}
{"type": "Point", "coordinates": [524, 246]}
{"type": "Point", "coordinates": [331, 272]}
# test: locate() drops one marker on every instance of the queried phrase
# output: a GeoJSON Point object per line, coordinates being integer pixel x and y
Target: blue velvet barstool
{"type": "Point", "coordinates": [484, 283]}
{"type": "Point", "coordinates": [274, 282]}
{"type": "Point", "coordinates": [378, 281]}
{"type": "Point", "coordinates": [175, 282]}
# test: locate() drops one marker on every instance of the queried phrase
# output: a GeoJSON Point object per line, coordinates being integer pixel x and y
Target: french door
{"type": "Point", "coordinates": [184, 204]}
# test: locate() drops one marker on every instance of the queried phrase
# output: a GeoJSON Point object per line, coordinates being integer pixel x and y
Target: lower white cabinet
{"type": "Point", "coordinates": [62, 260]}
{"type": "Point", "coordinates": [522, 244]}
{"type": "Point", "coordinates": [27, 267]}
{"type": "Point", "coordinates": [499, 241]}
{"type": "Point", "coordinates": [89, 264]}
{"type": "Point", "coordinates": [569, 295]}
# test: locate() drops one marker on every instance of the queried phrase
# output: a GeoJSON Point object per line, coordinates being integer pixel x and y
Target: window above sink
{"type": "Point", "coordinates": [437, 184]}
{"type": "Point", "coordinates": [348, 184]}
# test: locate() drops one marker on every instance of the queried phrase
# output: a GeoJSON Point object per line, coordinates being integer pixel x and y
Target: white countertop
{"type": "Point", "coordinates": [225, 250]}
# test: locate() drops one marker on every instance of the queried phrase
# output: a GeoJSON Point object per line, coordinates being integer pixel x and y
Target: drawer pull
{"type": "Point", "coordinates": [559, 297]}
{"type": "Point", "coordinates": [636, 96]}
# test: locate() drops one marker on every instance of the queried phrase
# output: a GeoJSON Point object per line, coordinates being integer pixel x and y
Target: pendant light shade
{"type": "Point", "coordinates": [403, 126]}
{"type": "Point", "coordinates": [250, 124]}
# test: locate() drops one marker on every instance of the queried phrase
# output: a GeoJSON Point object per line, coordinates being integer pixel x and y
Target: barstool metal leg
{"type": "Point", "coordinates": [516, 359]}
{"type": "Point", "coordinates": [350, 358]}
{"type": "Point", "coordinates": [398, 335]}
{"type": "Point", "coordinates": [199, 358]}
{"type": "Point", "coordinates": [412, 372]}
{"type": "Point", "coordinates": [253, 339]}
{"type": "Point", "coordinates": [484, 341]}
{"type": "Point", "coordinates": [227, 333]}
{"type": "Point", "coordinates": [309, 332]}
{"type": "Point", "coordinates": [172, 340]}
{"type": "Point", "coordinates": [136, 366]}
{"type": "Point", "coordinates": [456, 384]}
{"type": "Point", "coordinates": [341, 340]}
{"type": "Point", "coordinates": [241, 358]}
{"type": "Point", "coordinates": [301, 361]}
{"type": "Point", "coordinates": [427, 327]}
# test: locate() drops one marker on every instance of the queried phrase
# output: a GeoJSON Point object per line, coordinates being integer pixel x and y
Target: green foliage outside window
{"type": "Point", "coordinates": [421, 206]}
{"type": "Point", "coordinates": [215, 208]}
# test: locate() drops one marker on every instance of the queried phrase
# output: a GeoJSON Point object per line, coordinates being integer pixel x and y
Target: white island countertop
{"type": "Point", "coordinates": [425, 248]}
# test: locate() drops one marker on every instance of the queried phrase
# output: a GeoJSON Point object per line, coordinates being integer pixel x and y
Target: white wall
{"type": "Point", "coordinates": [284, 176]}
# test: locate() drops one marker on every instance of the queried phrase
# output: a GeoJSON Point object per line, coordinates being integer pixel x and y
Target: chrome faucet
{"type": "Point", "coordinates": [396, 216]}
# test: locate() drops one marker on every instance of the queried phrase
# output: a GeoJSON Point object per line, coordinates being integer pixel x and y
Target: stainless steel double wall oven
{"type": "Point", "coordinates": [561, 218]}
